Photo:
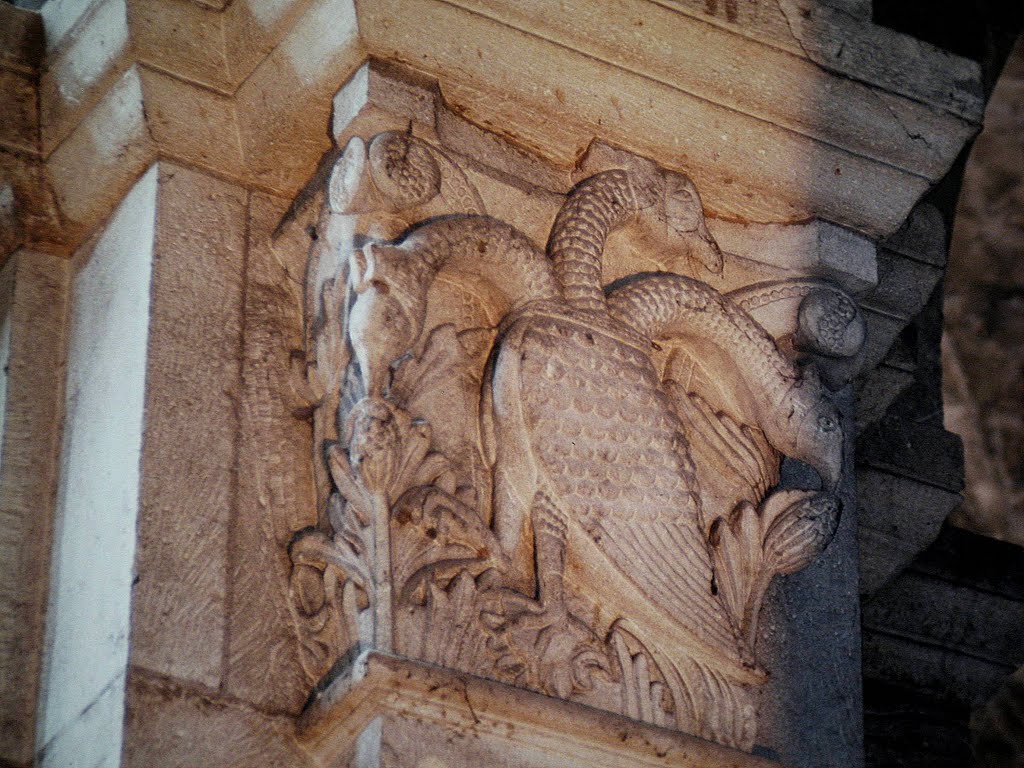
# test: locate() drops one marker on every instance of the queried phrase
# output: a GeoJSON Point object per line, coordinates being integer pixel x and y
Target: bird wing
{"type": "Point", "coordinates": [612, 451]}
{"type": "Point", "coordinates": [734, 461]}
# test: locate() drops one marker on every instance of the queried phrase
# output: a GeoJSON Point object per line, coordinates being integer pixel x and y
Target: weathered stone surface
{"type": "Point", "coordinates": [984, 627]}
{"type": "Point", "coordinates": [922, 452]}
{"type": "Point", "coordinates": [904, 285]}
{"type": "Point", "coordinates": [193, 380]}
{"type": "Point", "coordinates": [816, 248]}
{"type": "Point", "coordinates": [78, 75]}
{"type": "Point", "coordinates": [242, 91]}
{"type": "Point", "coordinates": [275, 483]}
{"type": "Point", "coordinates": [390, 712]}
{"type": "Point", "coordinates": [811, 633]}
{"type": "Point", "coordinates": [201, 125]}
{"type": "Point", "coordinates": [19, 120]}
{"type": "Point", "coordinates": [301, 75]}
{"type": "Point", "coordinates": [183, 37]}
{"type": "Point", "coordinates": [93, 536]}
{"type": "Point", "coordinates": [60, 17]}
{"type": "Point", "coordinates": [111, 147]}
{"type": "Point", "coordinates": [950, 625]}
{"type": "Point", "coordinates": [33, 296]}
{"type": "Point", "coordinates": [939, 641]}
{"type": "Point", "coordinates": [851, 45]}
{"type": "Point", "coordinates": [539, 549]}
{"type": "Point", "coordinates": [170, 727]}
{"type": "Point", "coordinates": [878, 388]}
{"type": "Point", "coordinates": [780, 150]}
{"type": "Point", "coordinates": [217, 44]}
{"type": "Point", "coordinates": [909, 480]}
{"type": "Point", "coordinates": [766, 156]}
{"type": "Point", "coordinates": [94, 738]}
{"type": "Point", "coordinates": [667, 47]}
{"type": "Point", "coordinates": [21, 38]}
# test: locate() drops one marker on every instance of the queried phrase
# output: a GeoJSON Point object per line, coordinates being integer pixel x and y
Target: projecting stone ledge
{"type": "Point", "coordinates": [389, 712]}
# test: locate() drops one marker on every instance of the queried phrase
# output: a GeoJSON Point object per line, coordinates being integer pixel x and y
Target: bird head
{"type": "Point", "coordinates": [817, 438]}
{"type": "Point", "coordinates": [684, 214]}
{"type": "Point", "coordinates": [389, 310]}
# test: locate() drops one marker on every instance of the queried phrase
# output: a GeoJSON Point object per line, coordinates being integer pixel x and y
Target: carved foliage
{"type": "Point", "coordinates": [535, 502]}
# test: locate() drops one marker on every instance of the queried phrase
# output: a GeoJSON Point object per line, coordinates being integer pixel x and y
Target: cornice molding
{"type": "Point", "coordinates": [785, 113]}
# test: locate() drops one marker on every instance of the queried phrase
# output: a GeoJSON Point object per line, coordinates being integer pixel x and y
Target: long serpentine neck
{"type": "Point", "coordinates": [490, 249]}
{"type": "Point", "coordinates": [664, 305]}
{"type": "Point", "coordinates": [593, 210]}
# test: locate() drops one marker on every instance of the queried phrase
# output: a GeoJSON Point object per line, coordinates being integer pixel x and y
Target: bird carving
{"type": "Point", "coordinates": [596, 501]}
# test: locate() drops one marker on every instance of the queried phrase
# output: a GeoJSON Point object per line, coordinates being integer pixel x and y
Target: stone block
{"type": "Point", "coordinates": [400, 91]}
{"type": "Point", "coordinates": [509, 157]}
{"type": "Point", "coordinates": [882, 331]}
{"type": "Point", "coordinates": [93, 540]}
{"type": "Point", "coordinates": [32, 204]}
{"type": "Point", "coordinates": [924, 666]}
{"type": "Point", "coordinates": [21, 38]}
{"type": "Point", "coordinates": [665, 46]}
{"type": "Point", "coordinates": [922, 237]}
{"type": "Point", "coordinates": [217, 44]}
{"type": "Point", "coordinates": [857, 48]}
{"type": "Point", "coordinates": [192, 125]}
{"type": "Point", "coordinates": [253, 28]}
{"type": "Point", "coordinates": [193, 381]}
{"type": "Point", "coordinates": [816, 248]}
{"type": "Point", "coordinates": [957, 617]}
{"type": "Point", "coordinates": [922, 452]}
{"type": "Point", "coordinates": [94, 738]}
{"type": "Point", "coordinates": [386, 712]}
{"type": "Point", "coordinates": [33, 296]}
{"type": "Point", "coordinates": [298, 79]}
{"type": "Point", "coordinates": [11, 231]}
{"type": "Point", "coordinates": [876, 391]}
{"type": "Point", "coordinates": [19, 119]}
{"type": "Point", "coordinates": [275, 484]}
{"type": "Point", "coordinates": [904, 285]}
{"type": "Point", "coordinates": [899, 517]}
{"type": "Point", "coordinates": [534, 67]}
{"type": "Point", "coordinates": [76, 76]}
{"type": "Point", "coordinates": [170, 727]}
{"type": "Point", "coordinates": [60, 17]}
{"type": "Point", "coordinates": [809, 634]}
{"type": "Point", "coordinates": [184, 38]}
{"type": "Point", "coordinates": [111, 147]}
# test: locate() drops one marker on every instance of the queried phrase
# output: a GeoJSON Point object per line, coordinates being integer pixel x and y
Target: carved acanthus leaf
{"type": "Point", "coordinates": [752, 545]}
{"type": "Point", "coordinates": [434, 538]}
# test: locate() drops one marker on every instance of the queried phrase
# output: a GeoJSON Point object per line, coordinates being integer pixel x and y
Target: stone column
{"type": "Point", "coordinates": [477, 336]}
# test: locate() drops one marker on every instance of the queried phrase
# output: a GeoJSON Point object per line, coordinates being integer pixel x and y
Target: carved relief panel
{"type": "Point", "coordinates": [548, 448]}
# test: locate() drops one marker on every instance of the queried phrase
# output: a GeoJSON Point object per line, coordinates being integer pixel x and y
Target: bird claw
{"type": "Point", "coordinates": [545, 646]}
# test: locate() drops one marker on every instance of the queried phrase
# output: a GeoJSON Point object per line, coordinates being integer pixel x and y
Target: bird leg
{"type": "Point", "coordinates": [549, 537]}
{"type": "Point", "coordinates": [553, 650]}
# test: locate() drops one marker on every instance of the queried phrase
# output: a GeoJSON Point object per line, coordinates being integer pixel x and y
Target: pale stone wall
{"type": "Point", "coordinates": [33, 292]}
{"type": "Point", "coordinates": [86, 650]}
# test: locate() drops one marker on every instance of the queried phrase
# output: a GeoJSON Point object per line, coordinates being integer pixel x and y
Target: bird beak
{"type": "Point", "coordinates": [708, 253]}
{"type": "Point", "coordinates": [830, 473]}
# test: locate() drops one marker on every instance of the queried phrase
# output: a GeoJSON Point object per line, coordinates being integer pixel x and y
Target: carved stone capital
{"type": "Point", "coordinates": [550, 427]}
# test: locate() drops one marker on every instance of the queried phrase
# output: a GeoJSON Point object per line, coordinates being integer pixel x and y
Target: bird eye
{"type": "Point", "coordinates": [827, 424]}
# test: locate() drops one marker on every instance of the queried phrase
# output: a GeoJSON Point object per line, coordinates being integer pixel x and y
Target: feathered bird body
{"type": "Point", "coordinates": [579, 416]}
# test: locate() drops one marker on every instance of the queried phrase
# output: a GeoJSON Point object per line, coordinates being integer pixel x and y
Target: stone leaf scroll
{"type": "Point", "coordinates": [532, 476]}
